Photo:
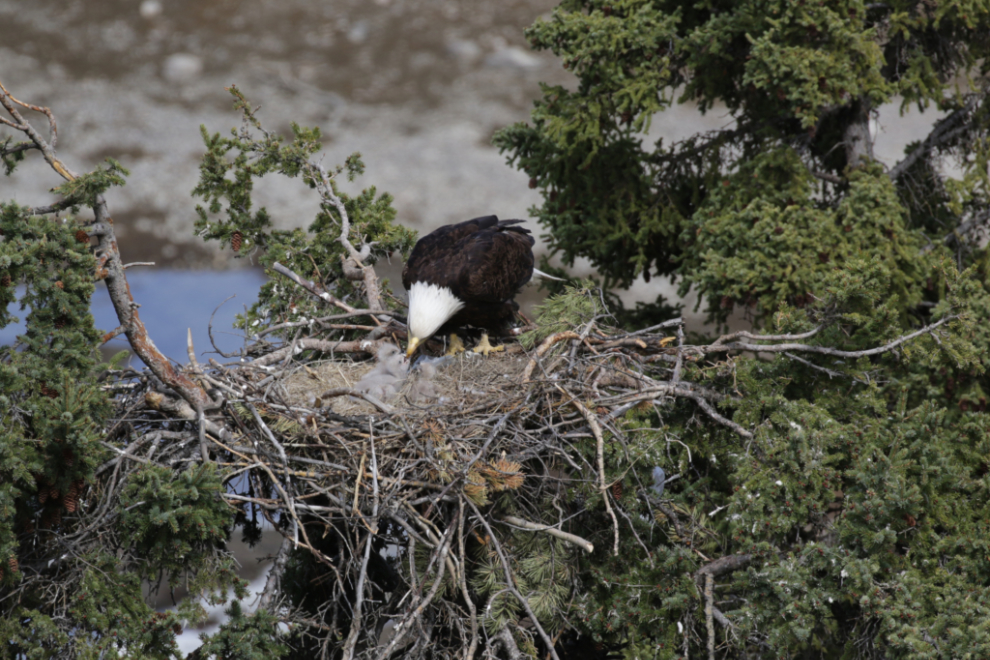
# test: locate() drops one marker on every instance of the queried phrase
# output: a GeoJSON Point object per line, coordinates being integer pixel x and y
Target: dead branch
{"type": "Point", "coordinates": [596, 429]}
{"type": "Point", "coordinates": [544, 347]}
{"type": "Point", "coordinates": [552, 531]}
{"type": "Point", "coordinates": [720, 345]}
{"type": "Point", "coordinates": [109, 265]}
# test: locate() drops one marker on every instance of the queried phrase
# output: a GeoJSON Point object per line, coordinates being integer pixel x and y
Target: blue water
{"type": "Point", "coordinates": [171, 301]}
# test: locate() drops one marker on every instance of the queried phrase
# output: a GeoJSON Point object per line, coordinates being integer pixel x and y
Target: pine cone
{"type": "Point", "coordinates": [617, 490]}
{"type": "Point", "coordinates": [59, 323]}
{"type": "Point", "coordinates": [53, 492]}
{"type": "Point", "coordinates": [82, 236]}
{"type": "Point", "coordinates": [236, 240]}
{"type": "Point", "coordinates": [59, 284]}
{"type": "Point", "coordinates": [12, 562]}
{"type": "Point", "coordinates": [42, 496]}
{"type": "Point", "coordinates": [5, 280]}
{"type": "Point", "coordinates": [70, 502]}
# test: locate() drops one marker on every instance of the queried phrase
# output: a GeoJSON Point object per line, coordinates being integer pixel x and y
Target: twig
{"type": "Point", "coordinates": [346, 391]}
{"type": "Point", "coordinates": [709, 605]}
{"type": "Point", "coordinates": [544, 347]}
{"type": "Point", "coordinates": [680, 355]}
{"type": "Point", "coordinates": [312, 344]}
{"type": "Point", "coordinates": [469, 653]}
{"type": "Point", "coordinates": [511, 583]}
{"type": "Point", "coordinates": [313, 288]}
{"type": "Point", "coordinates": [552, 531]}
{"type": "Point", "coordinates": [273, 582]}
{"type": "Point", "coordinates": [940, 134]}
{"type": "Point", "coordinates": [596, 429]}
{"type": "Point", "coordinates": [823, 350]}
{"type": "Point", "coordinates": [352, 636]}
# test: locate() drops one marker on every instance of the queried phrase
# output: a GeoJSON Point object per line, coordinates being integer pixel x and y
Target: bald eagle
{"type": "Point", "coordinates": [467, 274]}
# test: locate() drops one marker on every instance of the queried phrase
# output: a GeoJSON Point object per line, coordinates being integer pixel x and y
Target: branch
{"type": "Point", "coordinates": [724, 565]}
{"type": "Point", "coordinates": [372, 289]}
{"type": "Point", "coordinates": [311, 344]}
{"type": "Point", "coordinates": [940, 134]}
{"type": "Point", "coordinates": [596, 429]}
{"type": "Point", "coordinates": [510, 582]}
{"type": "Point", "coordinates": [346, 391]}
{"type": "Point", "coordinates": [552, 531]}
{"type": "Point", "coordinates": [823, 350]}
{"type": "Point", "coordinates": [313, 288]}
{"type": "Point", "coordinates": [543, 348]}
{"type": "Point", "coordinates": [825, 176]}
{"type": "Point", "coordinates": [109, 265]}
{"type": "Point", "coordinates": [272, 583]}
{"type": "Point", "coordinates": [709, 606]}
{"type": "Point", "coordinates": [749, 335]}
{"type": "Point", "coordinates": [352, 636]}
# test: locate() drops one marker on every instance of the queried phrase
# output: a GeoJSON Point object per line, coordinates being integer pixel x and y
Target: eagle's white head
{"type": "Point", "coordinates": [430, 306]}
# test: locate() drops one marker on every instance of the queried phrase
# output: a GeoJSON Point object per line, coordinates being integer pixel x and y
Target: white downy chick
{"type": "Point", "coordinates": [423, 388]}
{"type": "Point", "coordinates": [391, 361]}
{"type": "Point", "coordinates": [384, 380]}
{"type": "Point", "coordinates": [380, 386]}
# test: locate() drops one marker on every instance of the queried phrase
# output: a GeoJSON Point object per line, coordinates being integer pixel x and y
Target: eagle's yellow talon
{"type": "Point", "coordinates": [486, 348]}
{"type": "Point", "coordinates": [456, 345]}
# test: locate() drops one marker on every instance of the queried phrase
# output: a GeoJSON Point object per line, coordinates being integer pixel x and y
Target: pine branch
{"type": "Point", "coordinates": [109, 264]}
{"type": "Point", "coordinates": [945, 131]}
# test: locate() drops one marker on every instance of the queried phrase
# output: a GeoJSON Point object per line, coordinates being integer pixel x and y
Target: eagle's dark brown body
{"type": "Point", "coordinates": [483, 262]}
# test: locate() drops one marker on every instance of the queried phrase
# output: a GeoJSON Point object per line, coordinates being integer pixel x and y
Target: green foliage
{"type": "Point", "coordinates": [244, 637]}
{"type": "Point", "coordinates": [860, 503]}
{"type": "Point", "coordinates": [86, 187]}
{"type": "Point", "coordinates": [175, 519]}
{"type": "Point", "coordinates": [575, 306]}
{"type": "Point", "coordinates": [539, 572]}
{"type": "Point", "coordinates": [51, 412]}
{"type": "Point", "coordinates": [227, 175]}
{"type": "Point", "coordinates": [740, 214]}
{"type": "Point", "coordinates": [11, 154]}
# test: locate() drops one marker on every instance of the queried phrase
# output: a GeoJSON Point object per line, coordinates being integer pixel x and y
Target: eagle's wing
{"type": "Point", "coordinates": [492, 265]}
{"type": "Point", "coordinates": [429, 259]}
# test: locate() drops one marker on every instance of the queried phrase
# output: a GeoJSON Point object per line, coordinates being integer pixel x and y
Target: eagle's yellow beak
{"type": "Point", "coordinates": [414, 343]}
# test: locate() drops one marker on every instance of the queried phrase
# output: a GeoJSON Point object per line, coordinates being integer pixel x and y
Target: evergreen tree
{"type": "Point", "coordinates": [846, 514]}
{"type": "Point", "coordinates": [824, 491]}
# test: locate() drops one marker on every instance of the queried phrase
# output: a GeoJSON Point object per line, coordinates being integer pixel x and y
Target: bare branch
{"type": "Point", "coordinates": [596, 430]}
{"type": "Point", "coordinates": [822, 350]}
{"type": "Point", "coordinates": [313, 288]}
{"type": "Point", "coordinates": [587, 546]}
{"type": "Point", "coordinates": [109, 265]}
{"type": "Point", "coordinates": [511, 583]}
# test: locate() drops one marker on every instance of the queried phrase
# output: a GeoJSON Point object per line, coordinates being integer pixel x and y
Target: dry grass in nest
{"type": "Point", "coordinates": [462, 381]}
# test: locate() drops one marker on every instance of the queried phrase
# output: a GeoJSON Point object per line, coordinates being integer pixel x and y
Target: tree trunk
{"type": "Point", "coordinates": [856, 139]}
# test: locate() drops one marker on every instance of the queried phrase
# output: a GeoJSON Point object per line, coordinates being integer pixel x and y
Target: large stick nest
{"type": "Point", "coordinates": [333, 470]}
{"type": "Point", "coordinates": [434, 526]}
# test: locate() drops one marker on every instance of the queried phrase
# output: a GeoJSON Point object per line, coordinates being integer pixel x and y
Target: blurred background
{"type": "Point", "coordinates": [417, 86]}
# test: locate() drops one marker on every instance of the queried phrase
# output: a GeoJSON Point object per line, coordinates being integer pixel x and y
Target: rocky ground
{"type": "Point", "coordinates": [417, 86]}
